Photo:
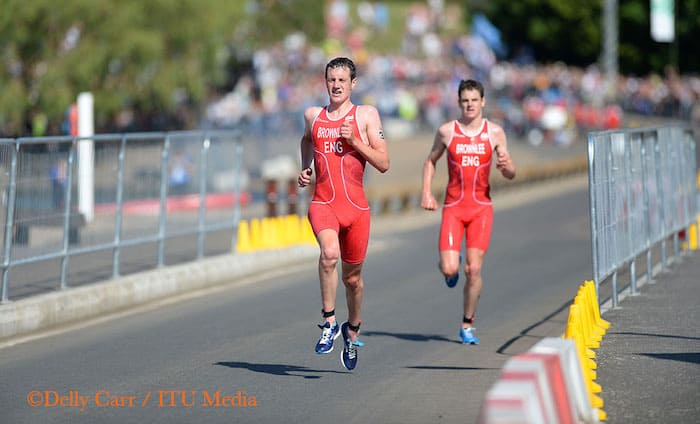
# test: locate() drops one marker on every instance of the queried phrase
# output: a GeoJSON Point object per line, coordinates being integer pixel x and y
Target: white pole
{"type": "Point", "coordinates": [86, 157]}
{"type": "Point", "coordinates": [610, 44]}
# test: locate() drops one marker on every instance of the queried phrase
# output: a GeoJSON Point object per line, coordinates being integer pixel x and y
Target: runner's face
{"type": "Point", "coordinates": [339, 84]}
{"type": "Point", "coordinates": [471, 103]}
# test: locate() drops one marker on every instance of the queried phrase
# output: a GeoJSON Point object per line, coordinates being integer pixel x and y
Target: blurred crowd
{"type": "Point", "coordinates": [539, 102]}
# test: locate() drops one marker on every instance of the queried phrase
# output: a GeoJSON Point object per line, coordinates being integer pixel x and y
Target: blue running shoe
{"type": "Point", "coordinates": [330, 333]}
{"type": "Point", "coordinates": [468, 337]}
{"type": "Point", "coordinates": [349, 355]}
{"type": "Point", "coordinates": [451, 280]}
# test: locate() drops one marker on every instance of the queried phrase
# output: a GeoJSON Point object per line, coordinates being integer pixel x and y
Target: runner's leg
{"type": "Point", "coordinates": [327, 268]}
{"type": "Point", "coordinates": [472, 289]}
{"type": "Point", "coordinates": [354, 291]}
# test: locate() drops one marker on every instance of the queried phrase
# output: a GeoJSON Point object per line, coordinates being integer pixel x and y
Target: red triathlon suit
{"type": "Point", "coordinates": [467, 205]}
{"type": "Point", "coordinates": [339, 201]}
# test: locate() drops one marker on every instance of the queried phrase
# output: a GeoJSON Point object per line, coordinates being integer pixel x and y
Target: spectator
{"type": "Point", "coordinates": [58, 175]}
{"type": "Point", "coordinates": [180, 173]}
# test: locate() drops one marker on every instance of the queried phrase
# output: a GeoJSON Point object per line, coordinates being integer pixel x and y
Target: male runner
{"type": "Point", "coordinates": [470, 142]}
{"type": "Point", "coordinates": [339, 139]}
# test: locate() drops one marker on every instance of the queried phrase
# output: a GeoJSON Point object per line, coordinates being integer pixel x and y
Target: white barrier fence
{"type": "Point", "coordinates": [138, 183]}
{"type": "Point", "coordinates": [643, 192]}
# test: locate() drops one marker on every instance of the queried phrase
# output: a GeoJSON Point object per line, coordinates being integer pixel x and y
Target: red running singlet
{"type": "Point", "coordinates": [467, 205]}
{"type": "Point", "coordinates": [339, 200]}
{"type": "Point", "coordinates": [469, 168]}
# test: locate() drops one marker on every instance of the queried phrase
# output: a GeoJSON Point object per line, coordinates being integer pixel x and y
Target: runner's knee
{"type": "Point", "coordinates": [449, 265]}
{"type": "Point", "coordinates": [449, 269]}
{"type": "Point", "coordinates": [473, 271]}
{"type": "Point", "coordinates": [329, 257]}
{"type": "Point", "coordinates": [353, 281]}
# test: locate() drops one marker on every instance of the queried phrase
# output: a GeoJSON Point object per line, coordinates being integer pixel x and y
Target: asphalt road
{"type": "Point", "coordinates": [251, 342]}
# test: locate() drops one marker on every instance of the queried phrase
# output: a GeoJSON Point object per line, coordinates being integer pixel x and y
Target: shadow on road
{"type": "Point", "coordinates": [668, 336]}
{"type": "Point", "coordinates": [277, 369]}
{"type": "Point", "coordinates": [691, 358]}
{"type": "Point", "coordinates": [410, 336]}
{"type": "Point", "coordinates": [447, 368]}
{"type": "Point", "coordinates": [526, 332]}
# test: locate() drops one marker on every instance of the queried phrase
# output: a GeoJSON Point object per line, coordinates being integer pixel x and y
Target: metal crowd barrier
{"type": "Point", "coordinates": [643, 193]}
{"type": "Point", "coordinates": [145, 188]}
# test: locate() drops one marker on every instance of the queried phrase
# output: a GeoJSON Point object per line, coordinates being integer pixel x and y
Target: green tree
{"type": "Point", "coordinates": [272, 20]}
{"type": "Point", "coordinates": [152, 56]}
{"type": "Point", "coordinates": [568, 31]}
{"type": "Point", "coordinates": [554, 29]}
{"type": "Point", "coordinates": [640, 54]}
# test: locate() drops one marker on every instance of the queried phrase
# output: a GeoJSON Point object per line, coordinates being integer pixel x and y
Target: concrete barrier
{"type": "Point", "coordinates": [551, 371]}
{"type": "Point", "coordinates": [512, 401]}
{"type": "Point", "coordinates": [523, 368]}
{"type": "Point", "coordinates": [572, 373]}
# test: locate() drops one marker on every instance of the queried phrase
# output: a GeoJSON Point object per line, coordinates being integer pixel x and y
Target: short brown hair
{"type": "Point", "coordinates": [342, 62]}
{"type": "Point", "coordinates": [470, 84]}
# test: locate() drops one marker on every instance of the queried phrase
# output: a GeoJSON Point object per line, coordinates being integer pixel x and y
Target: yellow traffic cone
{"type": "Point", "coordinates": [574, 332]}
{"type": "Point", "coordinates": [273, 232]}
{"type": "Point", "coordinates": [307, 233]}
{"type": "Point", "coordinates": [589, 308]}
{"type": "Point", "coordinates": [596, 310]}
{"type": "Point", "coordinates": [588, 366]}
{"type": "Point", "coordinates": [591, 338]}
{"type": "Point", "coordinates": [256, 236]}
{"type": "Point", "coordinates": [281, 240]}
{"type": "Point", "coordinates": [292, 229]}
{"type": "Point", "coordinates": [266, 231]}
{"type": "Point", "coordinates": [243, 243]}
{"type": "Point", "coordinates": [693, 237]}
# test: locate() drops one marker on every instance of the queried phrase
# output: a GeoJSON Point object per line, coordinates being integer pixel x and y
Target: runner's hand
{"type": "Point", "coordinates": [304, 177]}
{"type": "Point", "coordinates": [346, 131]}
{"type": "Point", "coordinates": [428, 202]}
{"type": "Point", "coordinates": [502, 158]}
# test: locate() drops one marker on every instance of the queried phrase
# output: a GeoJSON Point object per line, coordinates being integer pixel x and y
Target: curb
{"type": "Point", "coordinates": [50, 310]}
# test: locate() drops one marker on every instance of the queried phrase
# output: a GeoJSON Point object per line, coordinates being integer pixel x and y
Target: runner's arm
{"type": "Point", "coordinates": [428, 201]}
{"type": "Point", "coordinates": [375, 149]}
{"type": "Point", "coordinates": [306, 147]}
{"type": "Point", "coordinates": [504, 162]}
